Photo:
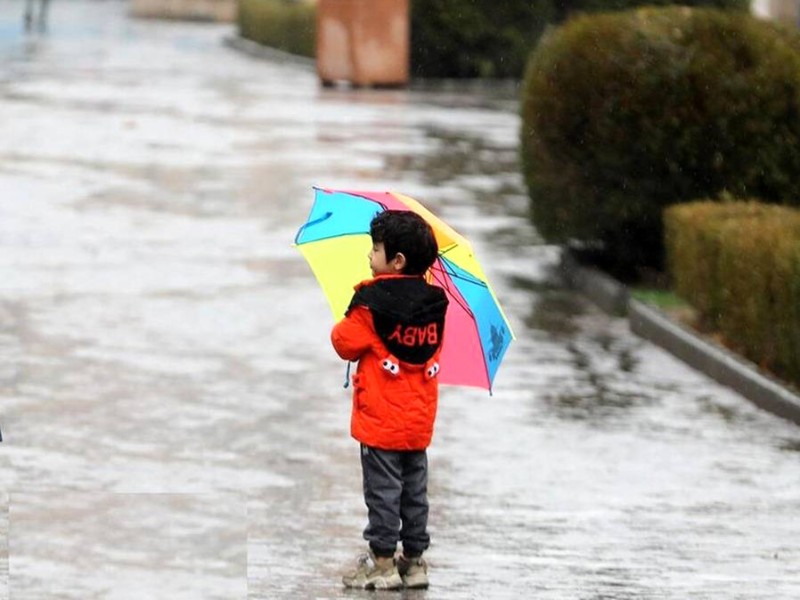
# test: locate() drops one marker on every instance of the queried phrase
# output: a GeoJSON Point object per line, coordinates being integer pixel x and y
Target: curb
{"type": "Point", "coordinates": [651, 324]}
{"type": "Point", "coordinates": [602, 289]}
{"type": "Point", "coordinates": [257, 50]}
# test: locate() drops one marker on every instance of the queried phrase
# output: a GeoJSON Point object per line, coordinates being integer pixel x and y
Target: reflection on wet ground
{"type": "Point", "coordinates": [173, 414]}
{"type": "Point", "coordinates": [110, 545]}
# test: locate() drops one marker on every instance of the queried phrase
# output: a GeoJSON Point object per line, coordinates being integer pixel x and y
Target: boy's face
{"type": "Point", "coordinates": [379, 264]}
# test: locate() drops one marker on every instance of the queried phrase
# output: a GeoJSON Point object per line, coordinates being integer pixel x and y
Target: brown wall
{"type": "Point", "coordinates": [365, 42]}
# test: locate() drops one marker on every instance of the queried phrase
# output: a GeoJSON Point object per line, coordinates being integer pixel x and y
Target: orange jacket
{"type": "Point", "coordinates": [394, 399]}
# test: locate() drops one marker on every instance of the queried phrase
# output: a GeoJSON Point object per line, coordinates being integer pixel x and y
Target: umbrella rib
{"type": "Point", "coordinates": [452, 246]}
{"type": "Point", "coordinates": [453, 275]}
{"type": "Point", "coordinates": [328, 214]}
{"type": "Point", "coordinates": [325, 217]}
{"type": "Point", "coordinates": [444, 283]}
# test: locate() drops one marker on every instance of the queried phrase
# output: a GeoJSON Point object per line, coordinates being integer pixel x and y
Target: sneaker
{"type": "Point", "coordinates": [414, 572]}
{"type": "Point", "coordinates": [372, 573]}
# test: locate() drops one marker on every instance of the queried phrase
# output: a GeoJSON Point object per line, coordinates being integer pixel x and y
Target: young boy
{"type": "Point", "coordinates": [393, 328]}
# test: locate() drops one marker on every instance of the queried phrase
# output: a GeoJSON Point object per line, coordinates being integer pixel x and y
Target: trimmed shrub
{"type": "Point", "coordinates": [739, 265]}
{"type": "Point", "coordinates": [566, 8]}
{"type": "Point", "coordinates": [475, 38]}
{"type": "Point", "coordinates": [288, 25]}
{"type": "Point", "coordinates": [626, 113]}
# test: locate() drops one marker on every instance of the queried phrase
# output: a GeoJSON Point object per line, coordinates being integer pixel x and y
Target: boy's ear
{"type": "Point", "coordinates": [399, 262]}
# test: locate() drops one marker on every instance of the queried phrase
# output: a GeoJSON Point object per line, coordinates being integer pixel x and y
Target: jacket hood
{"type": "Point", "coordinates": [408, 314]}
{"type": "Point", "coordinates": [406, 298]}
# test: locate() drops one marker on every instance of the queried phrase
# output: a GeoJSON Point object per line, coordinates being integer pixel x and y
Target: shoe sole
{"type": "Point", "coordinates": [383, 583]}
{"type": "Point", "coordinates": [415, 585]}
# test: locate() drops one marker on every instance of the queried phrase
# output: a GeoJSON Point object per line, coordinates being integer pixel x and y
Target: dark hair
{"type": "Point", "coordinates": [403, 231]}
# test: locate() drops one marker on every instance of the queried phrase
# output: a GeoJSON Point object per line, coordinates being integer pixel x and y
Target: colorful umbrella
{"type": "Point", "coordinates": [335, 241]}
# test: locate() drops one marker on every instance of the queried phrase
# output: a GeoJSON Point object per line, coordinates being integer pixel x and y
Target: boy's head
{"type": "Point", "coordinates": [402, 243]}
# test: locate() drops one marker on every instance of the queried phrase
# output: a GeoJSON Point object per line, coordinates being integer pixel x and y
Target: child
{"type": "Point", "coordinates": [393, 328]}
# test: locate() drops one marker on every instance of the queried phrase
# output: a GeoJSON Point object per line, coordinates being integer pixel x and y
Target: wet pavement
{"type": "Point", "coordinates": [173, 416]}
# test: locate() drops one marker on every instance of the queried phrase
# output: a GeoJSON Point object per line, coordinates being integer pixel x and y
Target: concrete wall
{"type": "Point", "coordinates": [202, 10]}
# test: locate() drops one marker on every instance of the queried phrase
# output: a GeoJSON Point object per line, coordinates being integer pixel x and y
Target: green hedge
{"type": "Point", "coordinates": [475, 38]}
{"type": "Point", "coordinates": [487, 38]}
{"type": "Point", "coordinates": [739, 264]}
{"type": "Point", "coordinates": [566, 8]}
{"type": "Point", "coordinates": [288, 25]}
{"type": "Point", "coordinates": [626, 113]}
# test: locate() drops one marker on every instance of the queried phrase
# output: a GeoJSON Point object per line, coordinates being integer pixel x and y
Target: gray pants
{"type": "Point", "coordinates": [396, 494]}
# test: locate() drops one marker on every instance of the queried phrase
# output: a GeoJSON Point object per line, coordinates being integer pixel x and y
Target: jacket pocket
{"type": "Point", "coordinates": [360, 395]}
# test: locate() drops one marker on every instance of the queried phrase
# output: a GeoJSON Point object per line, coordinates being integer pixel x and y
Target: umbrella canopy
{"type": "Point", "coordinates": [335, 241]}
